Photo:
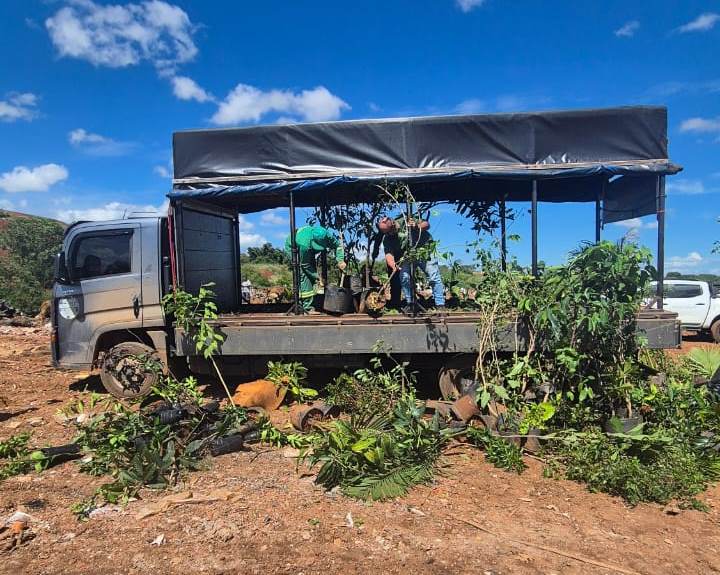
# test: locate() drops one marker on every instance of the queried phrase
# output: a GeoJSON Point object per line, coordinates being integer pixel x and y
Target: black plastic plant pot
{"type": "Point", "coordinates": [338, 300]}
{"type": "Point", "coordinates": [169, 416]}
{"type": "Point", "coordinates": [228, 444]}
{"type": "Point", "coordinates": [532, 442]}
{"type": "Point", "coordinates": [356, 284]}
{"type": "Point", "coordinates": [253, 436]}
{"type": "Point", "coordinates": [61, 453]}
{"type": "Point", "coordinates": [622, 424]}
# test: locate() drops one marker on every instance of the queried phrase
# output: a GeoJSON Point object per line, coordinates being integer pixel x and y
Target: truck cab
{"type": "Point", "coordinates": [697, 304]}
{"type": "Point", "coordinates": [108, 290]}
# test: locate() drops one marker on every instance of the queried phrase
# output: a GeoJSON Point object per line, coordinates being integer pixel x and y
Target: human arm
{"type": "Point", "coordinates": [422, 224]}
{"type": "Point", "coordinates": [390, 261]}
{"type": "Point", "coordinates": [324, 239]}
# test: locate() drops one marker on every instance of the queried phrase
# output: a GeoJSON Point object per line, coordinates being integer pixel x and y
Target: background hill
{"type": "Point", "coordinates": [27, 246]}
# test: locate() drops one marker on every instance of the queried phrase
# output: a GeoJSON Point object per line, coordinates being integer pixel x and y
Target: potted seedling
{"type": "Point", "coordinates": [623, 383]}
{"type": "Point", "coordinates": [534, 422]}
{"type": "Point", "coordinates": [290, 377]}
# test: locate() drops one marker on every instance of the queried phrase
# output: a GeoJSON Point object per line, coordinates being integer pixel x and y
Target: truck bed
{"type": "Point", "coordinates": [456, 332]}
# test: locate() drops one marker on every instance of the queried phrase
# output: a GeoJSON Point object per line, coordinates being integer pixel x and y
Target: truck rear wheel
{"type": "Point", "coordinates": [130, 369]}
{"type": "Point", "coordinates": [715, 330]}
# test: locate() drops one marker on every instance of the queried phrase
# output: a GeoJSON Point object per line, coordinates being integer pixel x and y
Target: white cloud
{"type": "Point", "coordinates": [511, 103]}
{"type": "Point", "coordinates": [701, 125]}
{"type": "Point", "coordinates": [273, 218]}
{"type": "Point", "coordinates": [110, 211]}
{"type": "Point", "coordinates": [471, 106]}
{"type": "Point", "coordinates": [631, 223]}
{"type": "Point", "coordinates": [6, 204]}
{"type": "Point", "coordinates": [117, 36]}
{"type": "Point", "coordinates": [18, 106]}
{"type": "Point", "coordinates": [684, 263]}
{"type": "Point", "coordinates": [244, 225]}
{"type": "Point", "coordinates": [628, 29]}
{"type": "Point", "coordinates": [501, 103]}
{"type": "Point", "coordinates": [468, 5]}
{"type": "Point", "coordinates": [186, 88]}
{"type": "Point", "coordinates": [686, 187]}
{"type": "Point", "coordinates": [248, 240]}
{"type": "Point", "coordinates": [80, 136]}
{"type": "Point", "coordinates": [702, 23]}
{"type": "Point", "coordinates": [637, 224]}
{"type": "Point", "coordinates": [162, 171]}
{"type": "Point", "coordinates": [97, 145]}
{"type": "Point", "coordinates": [249, 104]}
{"type": "Point", "coordinates": [38, 179]}
{"type": "Point", "coordinates": [675, 87]}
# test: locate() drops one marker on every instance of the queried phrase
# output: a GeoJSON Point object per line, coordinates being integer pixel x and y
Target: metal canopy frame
{"type": "Point", "coordinates": [534, 204]}
{"type": "Point", "coordinates": [616, 158]}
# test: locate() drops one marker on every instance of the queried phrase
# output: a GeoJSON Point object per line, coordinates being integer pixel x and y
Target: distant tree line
{"type": "Point", "coordinates": [265, 254]}
{"type": "Point", "coordinates": [27, 247]}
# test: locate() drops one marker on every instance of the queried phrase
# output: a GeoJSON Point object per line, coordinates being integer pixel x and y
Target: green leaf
{"type": "Point", "coordinates": [484, 398]}
{"type": "Point", "coordinates": [501, 392]}
{"type": "Point", "coordinates": [363, 444]}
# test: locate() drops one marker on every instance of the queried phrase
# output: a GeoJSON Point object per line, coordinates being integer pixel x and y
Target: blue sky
{"type": "Point", "coordinates": [91, 91]}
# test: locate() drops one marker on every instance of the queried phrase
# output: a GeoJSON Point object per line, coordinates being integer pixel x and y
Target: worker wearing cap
{"type": "Point", "coordinates": [311, 241]}
{"type": "Point", "coordinates": [398, 237]}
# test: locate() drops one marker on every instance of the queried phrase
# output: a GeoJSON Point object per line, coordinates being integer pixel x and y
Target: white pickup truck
{"type": "Point", "coordinates": [697, 304]}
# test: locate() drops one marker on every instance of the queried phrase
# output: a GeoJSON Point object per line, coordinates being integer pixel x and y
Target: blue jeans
{"type": "Point", "coordinates": [432, 271]}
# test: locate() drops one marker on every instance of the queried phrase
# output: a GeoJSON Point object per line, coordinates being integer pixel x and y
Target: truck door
{"type": "Point", "coordinates": [103, 290]}
{"type": "Point", "coordinates": [206, 238]}
{"type": "Point", "coordinates": [690, 301]}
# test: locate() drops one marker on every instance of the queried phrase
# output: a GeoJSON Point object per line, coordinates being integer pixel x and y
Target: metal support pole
{"type": "Point", "coordinates": [408, 211]}
{"type": "Point", "coordinates": [661, 239]}
{"type": "Point", "coordinates": [533, 212]}
{"type": "Point", "coordinates": [323, 254]}
{"type": "Point", "coordinates": [295, 259]}
{"type": "Point", "coordinates": [503, 237]}
{"type": "Point", "coordinates": [598, 217]}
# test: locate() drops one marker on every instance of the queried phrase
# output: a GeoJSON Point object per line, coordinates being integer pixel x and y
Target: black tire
{"type": "Point", "coordinates": [715, 330]}
{"type": "Point", "coordinates": [124, 373]}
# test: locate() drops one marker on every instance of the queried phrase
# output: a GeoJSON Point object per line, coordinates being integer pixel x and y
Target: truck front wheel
{"type": "Point", "coordinates": [715, 330]}
{"type": "Point", "coordinates": [130, 369]}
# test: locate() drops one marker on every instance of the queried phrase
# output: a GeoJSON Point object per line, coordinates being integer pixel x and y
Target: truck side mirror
{"type": "Point", "coordinates": [60, 271]}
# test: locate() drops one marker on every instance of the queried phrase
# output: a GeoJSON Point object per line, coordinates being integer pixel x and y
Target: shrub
{"type": "Point", "coordinates": [27, 247]}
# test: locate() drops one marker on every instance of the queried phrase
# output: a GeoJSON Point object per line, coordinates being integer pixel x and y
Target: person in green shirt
{"type": "Point", "coordinates": [311, 241]}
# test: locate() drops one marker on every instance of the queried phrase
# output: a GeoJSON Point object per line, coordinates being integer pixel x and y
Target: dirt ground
{"type": "Point", "coordinates": [271, 518]}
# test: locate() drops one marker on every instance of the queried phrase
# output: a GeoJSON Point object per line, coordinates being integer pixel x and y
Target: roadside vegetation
{"type": "Point", "coordinates": [27, 247]}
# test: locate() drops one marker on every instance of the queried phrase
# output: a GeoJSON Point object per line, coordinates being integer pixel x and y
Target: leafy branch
{"type": "Point", "coordinates": [194, 314]}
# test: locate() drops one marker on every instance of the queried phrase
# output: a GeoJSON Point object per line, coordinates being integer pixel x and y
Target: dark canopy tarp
{"type": "Point", "coordinates": [571, 153]}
